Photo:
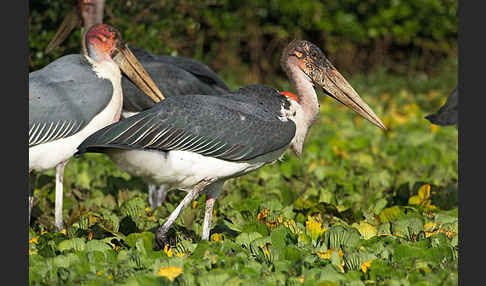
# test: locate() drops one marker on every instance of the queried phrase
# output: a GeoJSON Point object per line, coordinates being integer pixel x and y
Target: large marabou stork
{"type": "Point", "coordinates": [447, 113]}
{"type": "Point", "coordinates": [73, 97]}
{"type": "Point", "coordinates": [173, 75]}
{"type": "Point", "coordinates": [196, 142]}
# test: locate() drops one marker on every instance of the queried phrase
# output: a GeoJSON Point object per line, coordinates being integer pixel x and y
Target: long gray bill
{"type": "Point", "coordinates": [339, 88]}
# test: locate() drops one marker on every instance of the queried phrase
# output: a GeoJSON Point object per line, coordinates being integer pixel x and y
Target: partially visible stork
{"type": "Point", "coordinates": [86, 14]}
{"type": "Point", "coordinates": [173, 75]}
{"type": "Point", "coordinates": [197, 142]}
{"type": "Point", "coordinates": [447, 114]}
{"type": "Point", "coordinates": [76, 95]}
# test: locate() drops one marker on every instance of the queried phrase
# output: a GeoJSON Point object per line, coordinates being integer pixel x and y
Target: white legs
{"type": "Point", "coordinates": [157, 196]}
{"type": "Point", "coordinates": [58, 224]}
{"type": "Point", "coordinates": [207, 218]}
{"type": "Point", "coordinates": [32, 177]}
{"type": "Point", "coordinates": [211, 194]}
{"type": "Point", "coordinates": [160, 235]}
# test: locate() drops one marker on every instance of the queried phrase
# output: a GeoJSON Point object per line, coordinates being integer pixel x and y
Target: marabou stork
{"type": "Point", "coordinates": [173, 75]}
{"type": "Point", "coordinates": [447, 114]}
{"type": "Point", "coordinates": [76, 95]}
{"type": "Point", "coordinates": [196, 142]}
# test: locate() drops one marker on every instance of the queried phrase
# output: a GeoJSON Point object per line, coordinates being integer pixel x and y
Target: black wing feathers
{"type": "Point", "coordinates": [216, 126]}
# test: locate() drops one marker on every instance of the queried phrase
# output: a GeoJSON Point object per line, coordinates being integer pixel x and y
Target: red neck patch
{"type": "Point", "coordinates": [290, 95]}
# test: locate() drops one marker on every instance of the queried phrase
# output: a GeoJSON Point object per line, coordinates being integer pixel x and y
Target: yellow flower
{"type": "Point", "coordinates": [341, 268]}
{"type": "Point", "coordinates": [433, 128]}
{"type": "Point", "coordinates": [262, 216]}
{"type": "Point", "coordinates": [422, 199]}
{"type": "Point", "coordinates": [181, 254]}
{"type": "Point", "coordinates": [340, 152]}
{"type": "Point", "coordinates": [90, 235]}
{"type": "Point", "coordinates": [216, 237]}
{"type": "Point", "coordinates": [275, 223]}
{"type": "Point", "coordinates": [265, 250]}
{"type": "Point", "coordinates": [34, 240]}
{"type": "Point", "coordinates": [194, 204]}
{"type": "Point", "coordinates": [147, 209]}
{"type": "Point", "coordinates": [110, 276]}
{"type": "Point", "coordinates": [43, 232]}
{"type": "Point", "coordinates": [170, 272]}
{"type": "Point", "coordinates": [92, 219]}
{"type": "Point", "coordinates": [365, 266]}
{"type": "Point", "coordinates": [99, 273]}
{"type": "Point", "coordinates": [314, 228]}
{"type": "Point", "coordinates": [323, 255]}
{"type": "Point", "coordinates": [63, 231]}
{"type": "Point", "coordinates": [340, 252]}
{"type": "Point", "coordinates": [168, 250]}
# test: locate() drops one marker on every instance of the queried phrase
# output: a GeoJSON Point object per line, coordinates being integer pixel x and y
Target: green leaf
{"type": "Point", "coordinates": [390, 214]}
{"type": "Point", "coordinates": [76, 244]}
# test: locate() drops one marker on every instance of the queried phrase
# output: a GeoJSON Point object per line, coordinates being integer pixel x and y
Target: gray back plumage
{"type": "Point", "coordinates": [237, 126]}
{"type": "Point", "coordinates": [63, 97]}
{"type": "Point", "coordinates": [174, 76]}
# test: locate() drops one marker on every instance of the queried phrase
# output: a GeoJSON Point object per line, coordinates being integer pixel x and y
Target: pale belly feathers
{"type": "Point", "coordinates": [184, 169]}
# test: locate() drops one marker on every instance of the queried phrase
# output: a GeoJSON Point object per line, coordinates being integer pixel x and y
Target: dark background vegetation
{"type": "Point", "coordinates": [243, 39]}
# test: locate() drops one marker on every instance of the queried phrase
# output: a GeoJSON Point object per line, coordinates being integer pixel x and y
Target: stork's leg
{"type": "Point", "coordinates": [211, 194]}
{"type": "Point", "coordinates": [161, 233]}
{"type": "Point", "coordinates": [32, 177]}
{"type": "Point", "coordinates": [157, 196]}
{"type": "Point", "coordinates": [152, 195]}
{"type": "Point", "coordinates": [58, 224]}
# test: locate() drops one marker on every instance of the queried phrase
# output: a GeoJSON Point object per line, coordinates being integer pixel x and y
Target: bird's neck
{"type": "Point", "coordinates": [308, 103]}
{"type": "Point", "coordinates": [93, 14]}
{"type": "Point", "coordinates": [106, 69]}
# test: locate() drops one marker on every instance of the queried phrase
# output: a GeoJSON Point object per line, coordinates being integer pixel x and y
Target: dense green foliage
{"type": "Point", "coordinates": [354, 209]}
{"type": "Point", "coordinates": [243, 39]}
{"type": "Point", "coordinates": [355, 190]}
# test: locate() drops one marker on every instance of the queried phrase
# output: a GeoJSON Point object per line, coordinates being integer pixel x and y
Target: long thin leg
{"type": "Point", "coordinates": [32, 177]}
{"type": "Point", "coordinates": [161, 195]}
{"type": "Point", "coordinates": [160, 235]}
{"type": "Point", "coordinates": [58, 224]}
{"type": "Point", "coordinates": [207, 218]}
{"type": "Point", "coordinates": [157, 196]}
{"type": "Point", "coordinates": [212, 194]}
{"type": "Point", "coordinates": [152, 195]}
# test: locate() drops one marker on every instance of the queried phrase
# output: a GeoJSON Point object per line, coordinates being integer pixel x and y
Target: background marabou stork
{"type": "Point", "coordinates": [197, 142]}
{"type": "Point", "coordinates": [73, 97]}
{"type": "Point", "coordinates": [173, 75]}
{"type": "Point", "coordinates": [447, 113]}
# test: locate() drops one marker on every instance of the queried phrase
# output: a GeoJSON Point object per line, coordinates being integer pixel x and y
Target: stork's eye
{"type": "Point", "coordinates": [298, 54]}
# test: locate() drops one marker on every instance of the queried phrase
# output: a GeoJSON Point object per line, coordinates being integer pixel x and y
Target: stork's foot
{"type": "Point", "coordinates": [161, 233]}
{"type": "Point", "coordinates": [161, 238]}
